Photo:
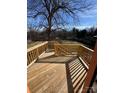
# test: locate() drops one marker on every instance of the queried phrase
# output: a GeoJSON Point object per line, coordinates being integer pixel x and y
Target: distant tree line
{"type": "Point", "coordinates": [87, 36]}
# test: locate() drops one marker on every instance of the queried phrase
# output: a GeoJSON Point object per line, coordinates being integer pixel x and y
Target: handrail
{"type": "Point", "coordinates": [82, 51]}
{"type": "Point", "coordinates": [36, 46]}
{"type": "Point", "coordinates": [87, 48]}
{"type": "Point", "coordinates": [34, 52]}
{"type": "Point", "coordinates": [69, 47]}
{"type": "Point", "coordinates": [85, 53]}
{"type": "Point", "coordinates": [61, 50]}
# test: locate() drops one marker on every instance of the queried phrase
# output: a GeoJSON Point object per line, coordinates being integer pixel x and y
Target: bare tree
{"type": "Point", "coordinates": [54, 13]}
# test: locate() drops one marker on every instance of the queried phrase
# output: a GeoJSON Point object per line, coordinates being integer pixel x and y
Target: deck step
{"type": "Point", "coordinates": [79, 82]}
{"type": "Point", "coordinates": [78, 73]}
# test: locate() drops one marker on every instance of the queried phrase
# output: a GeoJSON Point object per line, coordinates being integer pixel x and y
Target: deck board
{"type": "Point", "coordinates": [54, 75]}
{"type": "Point", "coordinates": [43, 79]}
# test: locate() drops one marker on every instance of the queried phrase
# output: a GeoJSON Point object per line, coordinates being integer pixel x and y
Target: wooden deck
{"type": "Point", "coordinates": [52, 74]}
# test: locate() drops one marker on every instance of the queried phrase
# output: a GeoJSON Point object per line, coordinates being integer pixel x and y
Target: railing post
{"type": "Point", "coordinates": [79, 51]}
{"type": "Point", "coordinates": [55, 48]}
{"type": "Point", "coordinates": [34, 52]}
{"type": "Point", "coordinates": [37, 52]}
{"type": "Point", "coordinates": [28, 90]}
{"type": "Point", "coordinates": [91, 71]}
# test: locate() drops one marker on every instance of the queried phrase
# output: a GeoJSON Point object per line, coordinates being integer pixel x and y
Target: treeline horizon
{"type": "Point", "coordinates": [87, 36]}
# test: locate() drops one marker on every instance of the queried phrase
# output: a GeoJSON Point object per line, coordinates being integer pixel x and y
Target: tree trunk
{"type": "Point", "coordinates": [48, 33]}
{"type": "Point", "coordinates": [49, 26]}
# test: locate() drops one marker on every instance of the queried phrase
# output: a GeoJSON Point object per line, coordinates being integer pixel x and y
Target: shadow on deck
{"type": "Point", "coordinates": [66, 76]}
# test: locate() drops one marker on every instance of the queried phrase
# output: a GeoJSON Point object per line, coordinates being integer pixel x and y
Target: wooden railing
{"type": "Point", "coordinates": [34, 52]}
{"type": "Point", "coordinates": [69, 49]}
{"type": "Point", "coordinates": [51, 44]}
{"type": "Point", "coordinates": [60, 49]}
{"type": "Point", "coordinates": [85, 54]}
{"type": "Point", "coordinates": [66, 49]}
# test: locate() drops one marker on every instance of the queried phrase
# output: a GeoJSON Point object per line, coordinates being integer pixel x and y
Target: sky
{"type": "Point", "coordinates": [88, 19]}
